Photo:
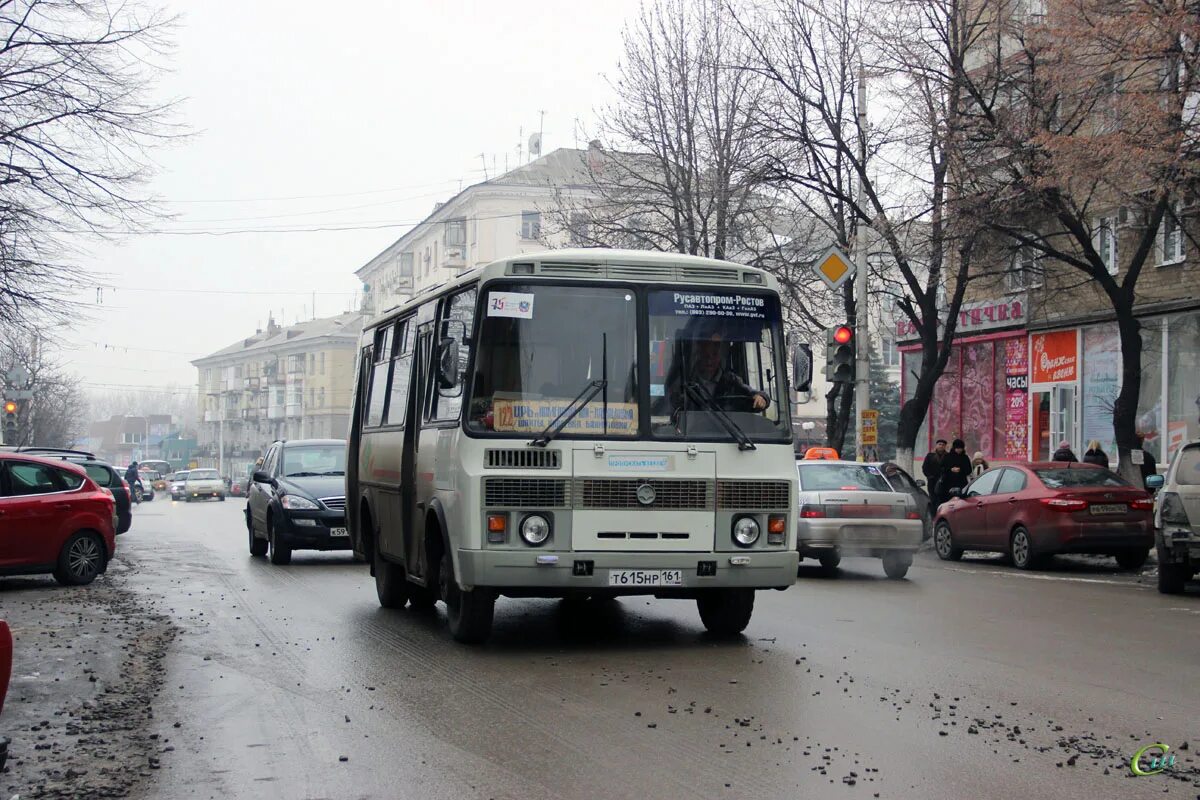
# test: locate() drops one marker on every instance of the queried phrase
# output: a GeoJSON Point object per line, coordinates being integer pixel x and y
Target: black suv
{"type": "Point", "coordinates": [297, 499]}
{"type": "Point", "coordinates": [103, 473]}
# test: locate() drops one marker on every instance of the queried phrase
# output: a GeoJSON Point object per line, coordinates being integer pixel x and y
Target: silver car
{"type": "Point", "coordinates": [203, 483]}
{"type": "Point", "coordinates": [848, 508]}
{"type": "Point", "coordinates": [1177, 519]}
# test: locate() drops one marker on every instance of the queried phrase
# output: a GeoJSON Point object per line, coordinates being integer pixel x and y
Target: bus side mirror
{"type": "Point", "coordinates": [447, 363]}
{"type": "Point", "coordinates": [802, 370]}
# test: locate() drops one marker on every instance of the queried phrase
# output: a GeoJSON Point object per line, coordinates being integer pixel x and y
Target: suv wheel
{"type": "Point", "coordinates": [1132, 559]}
{"type": "Point", "coordinates": [281, 554]}
{"type": "Point", "coordinates": [1172, 578]}
{"type": "Point", "coordinates": [258, 547]}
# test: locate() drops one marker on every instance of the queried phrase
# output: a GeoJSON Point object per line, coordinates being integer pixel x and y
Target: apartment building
{"type": "Point", "coordinates": [498, 218]}
{"type": "Point", "coordinates": [281, 383]}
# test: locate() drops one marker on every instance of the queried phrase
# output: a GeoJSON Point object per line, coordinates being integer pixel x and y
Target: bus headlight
{"type": "Point", "coordinates": [745, 531]}
{"type": "Point", "coordinates": [535, 530]}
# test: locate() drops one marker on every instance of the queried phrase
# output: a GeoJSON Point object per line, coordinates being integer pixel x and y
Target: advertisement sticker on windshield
{"type": "Point", "coordinates": [510, 304]}
{"type": "Point", "coordinates": [532, 416]}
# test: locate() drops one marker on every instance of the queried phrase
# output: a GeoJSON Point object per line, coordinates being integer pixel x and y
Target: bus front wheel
{"type": "Point", "coordinates": [468, 612]}
{"type": "Point", "coordinates": [726, 612]}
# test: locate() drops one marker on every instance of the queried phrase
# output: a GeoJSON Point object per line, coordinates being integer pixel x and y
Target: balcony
{"type": "Point", "coordinates": [455, 257]}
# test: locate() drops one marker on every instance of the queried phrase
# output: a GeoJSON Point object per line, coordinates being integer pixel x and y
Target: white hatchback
{"type": "Point", "coordinates": [204, 483]}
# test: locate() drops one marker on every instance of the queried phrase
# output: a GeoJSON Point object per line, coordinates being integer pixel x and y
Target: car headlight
{"type": "Point", "coordinates": [535, 529]}
{"type": "Point", "coordinates": [745, 531]}
{"type": "Point", "coordinates": [294, 502]}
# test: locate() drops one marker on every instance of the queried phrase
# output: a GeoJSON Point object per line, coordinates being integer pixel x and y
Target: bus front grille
{"type": "Point", "coordinates": [754, 495]}
{"type": "Point", "coordinates": [525, 492]}
{"type": "Point", "coordinates": [607, 493]}
{"type": "Point", "coordinates": [522, 459]}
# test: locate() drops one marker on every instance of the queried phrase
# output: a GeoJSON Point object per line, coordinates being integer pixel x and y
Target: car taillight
{"type": "Point", "coordinates": [912, 515]}
{"type": "Point", "coordinates": [1064, 504]}
{"type": "Point", "coordinates": [1173, 512]}
{"type": "Point", "coordinates": [1142, 504]}
{"type": "Point", "coordinates": [812, 511]}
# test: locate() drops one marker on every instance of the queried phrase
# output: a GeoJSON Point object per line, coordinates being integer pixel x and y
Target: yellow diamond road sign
{"type": "Point", "coordinates": [833, 267]}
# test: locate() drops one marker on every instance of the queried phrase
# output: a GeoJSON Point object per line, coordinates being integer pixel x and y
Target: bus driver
{"type": "Point", "coordinates": [708, 371]}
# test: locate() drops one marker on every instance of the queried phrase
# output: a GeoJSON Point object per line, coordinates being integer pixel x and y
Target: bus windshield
{"type": "Point", "coordinates": [712, 359]}
{"type": "Point", "coordinates": [541, 347]}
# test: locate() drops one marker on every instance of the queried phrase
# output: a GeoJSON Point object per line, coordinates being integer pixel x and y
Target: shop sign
{"type": "Point", "coordinates": [1055, 357]}
{"type": "Point", "coordinates": [976, 317]}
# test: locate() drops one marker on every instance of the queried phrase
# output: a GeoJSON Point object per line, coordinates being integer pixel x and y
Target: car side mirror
{"type": "Point", "coordinates": [261, 477]}
{"type": "Point", "coordinates": [955, 492]}
{"type": "Point", "coordinates": [1155, 482]}
{"type": "Point", "coordinates": [921, 483]}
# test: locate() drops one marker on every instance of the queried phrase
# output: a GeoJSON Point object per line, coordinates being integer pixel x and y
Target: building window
{"type": "Point", "coordinates": [1170, 239]}
{"type": "Point", "coordinates": [456, 232]}
{"type": "Point", "coordinates": [428, 260]}
{"type": "Point", "coordinates": [322, 363]}
{"type": "Point", "coordinates": [889, 356]}
{"type": "Point", "coordinates": [531, 225]}
{"type": "Point", "coordinates": [312, 398]}
{"type": "Point", "coordinates": [406, 264]}
{"type": "Point", "coordinates": [1035, 11]}
{"type": "Point", "coordinates": [321, 397]}
{"type": "Point", "coordinates": [1024, 271]}
{"type": "Point", "coordinates": [1105, 242]}
{"type": "Point", "coordinates": [131, 438]}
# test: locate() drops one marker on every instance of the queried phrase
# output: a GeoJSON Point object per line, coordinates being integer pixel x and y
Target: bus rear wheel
{"type": "Point", "coordinates": [726, 612]}
{"type": "Point", "coordinates": [391, 583]}
{"type": "Point", "coordinates": [468, 612]}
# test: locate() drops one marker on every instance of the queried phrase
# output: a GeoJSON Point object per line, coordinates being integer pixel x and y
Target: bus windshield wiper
{"type": "Point", "coordinates": [569, 413]}
{"type": "Point", "coordinates": [709, 402]}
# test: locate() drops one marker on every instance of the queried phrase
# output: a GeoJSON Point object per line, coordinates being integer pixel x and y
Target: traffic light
{"type": "Point", "coordinates": [10, 422]}
{"type": "Point", "coordinates": [839, 354]}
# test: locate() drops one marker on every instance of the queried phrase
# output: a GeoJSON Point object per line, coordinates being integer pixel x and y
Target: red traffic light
{"type": "Point", "coordinates": [843, 334]}
{"type": "Point", "coordinates": [10, 407]}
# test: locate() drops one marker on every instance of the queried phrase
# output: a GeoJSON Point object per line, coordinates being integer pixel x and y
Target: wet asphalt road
{"type": "Point", "coordinates": [966, 680]}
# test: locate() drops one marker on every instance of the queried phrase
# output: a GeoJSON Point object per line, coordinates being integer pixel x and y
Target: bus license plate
{"type": "Point", "coordinates": [338, 532]}
{"type": "Point", "coordinates": [645, 577]}
{"type": "Point", "coordinates": [1108, 508]}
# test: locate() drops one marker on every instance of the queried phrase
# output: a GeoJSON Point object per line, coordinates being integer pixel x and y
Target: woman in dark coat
{"type": "Point", "coordinates": [1064, 452]}
{"type": "Point", "coordinates": [956, 469]}
{"type": "Point", "coordinates": [1095, 455]}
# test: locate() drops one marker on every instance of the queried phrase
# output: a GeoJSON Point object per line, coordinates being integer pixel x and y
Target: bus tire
{"type": "Point", "coordinates": [469, 613]}
{"type": "Point", "coordinates": [726, 612]}
{"type": "Point", "coordinates": [391, 582]}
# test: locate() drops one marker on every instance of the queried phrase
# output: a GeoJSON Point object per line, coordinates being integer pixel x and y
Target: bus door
{"type": "Point", "coordinates": [416, 469]}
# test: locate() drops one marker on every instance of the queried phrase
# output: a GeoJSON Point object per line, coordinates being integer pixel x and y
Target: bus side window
{"type": "Point", "coordinates": [459, 308]}
{"type": "Point", "coordinates": [402, 356]}
{"type": "Point", "coordinates": [377, 403]}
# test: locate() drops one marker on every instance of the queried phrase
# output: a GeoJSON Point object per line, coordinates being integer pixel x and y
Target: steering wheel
{"type": "Point", "coordinates": [738, 403]}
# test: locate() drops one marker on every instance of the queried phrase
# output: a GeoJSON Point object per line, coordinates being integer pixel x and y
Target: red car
{"type": "Point", "coordinates": [53, 518]}
{"type": "Point", "coordinates": [1032, 511]}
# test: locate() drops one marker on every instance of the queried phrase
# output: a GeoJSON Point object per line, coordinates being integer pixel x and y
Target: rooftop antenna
{"type": "Point", "coordinates": [541, 130]}
{"type": "Point", "coordinates": [484, 159]}
{"type": "Point", "coordinates": [575, 133]}
{"type": "Point", "coordinates": [520, 138]}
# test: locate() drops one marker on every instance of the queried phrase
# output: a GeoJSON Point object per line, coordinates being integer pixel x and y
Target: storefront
{"type": "Point", "coordinates": [1014, 395]}
{"type": "Point", "coordinates": [982, 397]}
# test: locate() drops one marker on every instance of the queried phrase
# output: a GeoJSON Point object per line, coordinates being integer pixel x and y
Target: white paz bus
{"type": "Point", "coordinates": [576, 423]}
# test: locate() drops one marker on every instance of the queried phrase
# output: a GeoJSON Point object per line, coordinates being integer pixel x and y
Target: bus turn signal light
{"type": "Point", "coordinates": [497, 527]}
{"type": "Point", "coordinates": [776, 528]}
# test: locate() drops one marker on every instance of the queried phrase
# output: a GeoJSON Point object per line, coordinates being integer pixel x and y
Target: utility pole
{"type": "Point", "coordinates": [862, 366]}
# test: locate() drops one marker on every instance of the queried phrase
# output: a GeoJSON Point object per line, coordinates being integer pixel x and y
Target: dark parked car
{"type": "Point", "coordinates": [104, 474]}
{"type": "Point", "coordinates": [53, 518]}
{"type": "Point", "coordinates": [297, 499]}
{"type": "Point", "coordinates": [1032, 511]}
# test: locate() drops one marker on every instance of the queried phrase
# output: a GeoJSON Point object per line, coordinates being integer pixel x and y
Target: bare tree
{"type": "Point", "coordinates": [56, 415]}
{"type": "Point", "coordinates": [1078, 117]}
{"type": "Point", "coordinates": [677, 167]}
{"type": "Point", "coordinates": [75, 80]}
{"type": "Point", "coordinates": [811, 53]}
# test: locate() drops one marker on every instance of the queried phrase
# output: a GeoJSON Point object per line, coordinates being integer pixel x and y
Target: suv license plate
{"type": "Point", "coordinates": [1108, 508]}
{"type": "Point", "coordinates": [338, 532]}
{"type": "Point", "coordinates": [645, 577]}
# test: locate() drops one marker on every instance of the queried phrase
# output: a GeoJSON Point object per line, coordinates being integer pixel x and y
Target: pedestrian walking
{"type": "Point", "coordinates": [1095, 454]}
{"type": "Point", "coordinates": [956, 469]}
{"type": "Point", "coordinates": [1064, 452]}
{"type": "Point", "coordinates": [979, 464]}
{"type": "Point", "coordinates": [1149, 465]}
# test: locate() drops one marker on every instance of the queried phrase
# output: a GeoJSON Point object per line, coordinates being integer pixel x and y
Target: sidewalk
{"type": "Point", "coordinates": [87, 667]}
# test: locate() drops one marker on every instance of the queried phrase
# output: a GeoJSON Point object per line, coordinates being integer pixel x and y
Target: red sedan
{"type": "Point", "coordinates": [1033, 511]}
{"type": "Point", "coordinates": [53, 518]}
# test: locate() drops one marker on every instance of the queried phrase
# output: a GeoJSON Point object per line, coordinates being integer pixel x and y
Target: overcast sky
{"type": "Point", "coordinates": [357, 113]}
